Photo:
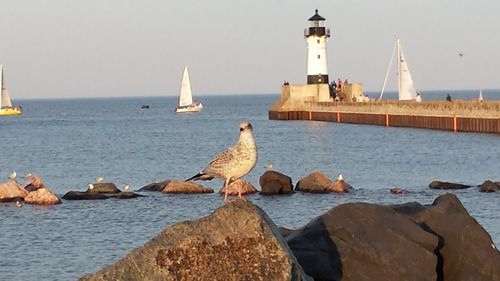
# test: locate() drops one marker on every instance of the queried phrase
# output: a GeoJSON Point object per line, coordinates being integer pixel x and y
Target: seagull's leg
{"type": "Point", "coordinates": [226, 183]}
{"type": "Point", "coordinates": [240, 196]}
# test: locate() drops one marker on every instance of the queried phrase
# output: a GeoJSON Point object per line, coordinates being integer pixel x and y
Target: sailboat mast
{"type": "Point", "coordinates": [399, 69]}
{"type": "Point", "coordinates": [387, 73]}
{"type": "Point", "coordinates": [1, 85]}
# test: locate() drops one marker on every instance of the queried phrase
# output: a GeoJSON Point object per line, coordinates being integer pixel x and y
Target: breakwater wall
{"type": "Point", "coordinates": [457, 116]}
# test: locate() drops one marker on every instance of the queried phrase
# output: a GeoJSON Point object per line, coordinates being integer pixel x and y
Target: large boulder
{"type": "Point", "coordinates": [465, 250]}
{"type": "Point", "coordinates": [104, 187]}
{"type": "Point", "coordinates": [233, 188]}
{"type": "Point", "coordinates": [78, 195]}
{"type": "Point", "coordinates": [176, 186]}
{"type": "Point", "coordinates": [42, 196]}
{"type": "Point", "coordinates": [155, 186]}
{"type": "Point", "coordinates": [447, 185]}
{"type": "Point", "coordinates": [11, 191]}
{"type": "Point", "coordinates": [489, 186]}
{"type": "Point", "coordinates": [359, 241]}
{"type": "Point", "coordinates": [272, 183]}
{"type": "Point", "coordinates": [317, 182]}
{"type": "Point", "coordinates": [34, 183]}
{"type": "Point", "coordinates": [236, 242]}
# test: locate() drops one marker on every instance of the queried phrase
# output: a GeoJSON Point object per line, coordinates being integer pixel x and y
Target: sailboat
{"type": "Point", "coordinates": [480, 97]}
{"type": "Point", "coordinates": [186, 103]}
{"type": "Point", "coordinates": [6, 107]}
{"type": "Point", "coordinates": [406, 87]}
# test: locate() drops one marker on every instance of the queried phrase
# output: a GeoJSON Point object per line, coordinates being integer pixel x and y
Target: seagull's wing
{"type": "Point", "coordinates": [221, 160]}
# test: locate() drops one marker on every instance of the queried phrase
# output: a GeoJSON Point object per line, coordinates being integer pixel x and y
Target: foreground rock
{"type": "Point", "coordinates": [42, 196]}
{"type": "Point", "coordinates": [317, 182]}
{"type": "Point", "coordinates": [447, 185]}
{"type": "Point", "coordinates": [175, 187]}
{"type": "Point", "coordinates": [156, 186]}
{"type": "Point", "coordinates": [489, 186]}
{"type": "Point", "coordinates": [273, 183]}
{"type": "Point", "coordinates": [246, 187]}
{"type": "Point", "coordinates": [236, 242]}
{"type": "Point", "coordinates": [360, 241]}
{"type": "Point", "coordinates": [11, 192]}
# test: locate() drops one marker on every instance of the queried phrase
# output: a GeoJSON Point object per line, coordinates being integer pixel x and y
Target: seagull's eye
{"type": "Point", "coordinates": [241, 129]}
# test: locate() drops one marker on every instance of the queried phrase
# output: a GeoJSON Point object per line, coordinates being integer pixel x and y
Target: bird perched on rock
{"type": "Point", "coordinates": [99, 179]}
{"type": "Point", "coordinates": [90, 186]}
{"type": "Point", "coordinates": [18, 204]}
{"type": "Point", "coordinates": [126, 187]}
{"type": "Point", "coordinates": [233, 162]}
{"type": "Point", "coordinates": [13, 176]}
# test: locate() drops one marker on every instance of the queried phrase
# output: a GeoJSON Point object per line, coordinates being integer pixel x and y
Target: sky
{"type": "Point", "coordinates": [109, 48]}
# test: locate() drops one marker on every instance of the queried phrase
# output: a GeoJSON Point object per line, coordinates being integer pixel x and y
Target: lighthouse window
{"type": "Point", "coordinates": [319, 56]}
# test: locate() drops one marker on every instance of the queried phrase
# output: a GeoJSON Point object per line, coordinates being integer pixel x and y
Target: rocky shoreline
{"type": "Point", "coordinates": [354, 241]}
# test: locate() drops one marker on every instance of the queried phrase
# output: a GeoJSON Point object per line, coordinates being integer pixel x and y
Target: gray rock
{"type": "Point", "coordinates": [236, 242]}
{"type": "Point", "coordinates": [447, 185]}
{"type": "Point", "coordinates": [78, 195]}
{"type": "Point", "coordinates": [104, 187]}
{"type": "Point", "coordinates": [410, 241]}
{"type": "Point", "coordinates": [125, 195]}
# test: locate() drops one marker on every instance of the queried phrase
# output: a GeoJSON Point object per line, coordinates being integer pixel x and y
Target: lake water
{"type": "Point", "coordinates": [70, 142]}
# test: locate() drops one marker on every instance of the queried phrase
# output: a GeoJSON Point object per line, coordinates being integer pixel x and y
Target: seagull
{"type": "Point", "coordinates": [13, 176]}
{"type": "Point", "coordinates": [99, 179]}
{"type": "Point", "coordinates": [125, 187]}
{"type": "Point", "coordinates": [28, 175]}
{"type": "Point", "coordinates": [339, 177]}
{"type": "Point", "coordinates": [233, 162]}
{"type": "Point", "coordinates": [90, 186]}
{"type": "Point", "coordinates": [269, 166]}
{"type": "Point", "coordinates": [18, 204]}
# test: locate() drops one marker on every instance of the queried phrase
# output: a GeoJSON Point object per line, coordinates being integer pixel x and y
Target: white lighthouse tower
{"type": "Point", "coordinates": [316, 36]}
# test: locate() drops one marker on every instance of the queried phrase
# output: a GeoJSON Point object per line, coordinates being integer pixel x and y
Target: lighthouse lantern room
{"type": "Point", "coordinates": [316, 36]}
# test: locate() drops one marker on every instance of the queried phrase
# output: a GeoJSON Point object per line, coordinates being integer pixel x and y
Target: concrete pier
{"type": "Point", "coordinates": [457, 116]}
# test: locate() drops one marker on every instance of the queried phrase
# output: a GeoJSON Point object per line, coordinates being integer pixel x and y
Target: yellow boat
{"type": "Point", "coordinates": [6, 107]}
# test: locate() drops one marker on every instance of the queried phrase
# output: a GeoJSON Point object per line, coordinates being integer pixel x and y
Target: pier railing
{"type": "Point", "coordinates": [459, 115]}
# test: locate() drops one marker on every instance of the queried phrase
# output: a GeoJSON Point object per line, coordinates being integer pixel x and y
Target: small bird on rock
{"type": "Point", "coordinates": [234, 162]}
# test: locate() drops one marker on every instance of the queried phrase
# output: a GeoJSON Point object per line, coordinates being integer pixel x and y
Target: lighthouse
{"type": "Point", "coordinates": [316, 36]}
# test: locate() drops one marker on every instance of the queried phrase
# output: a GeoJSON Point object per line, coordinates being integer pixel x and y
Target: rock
{"type": "Point", "coordinates": [360, 241]}
{"type": "Point", "coordinates": [317, 182]}
{"type": "Point", "coordinates": [285, 231]}
{"type": "Point", "coordinates": [42, 196]}
{"type": "Point", "coordinates": [34, 183]}
{"type": "Point", "coordinates": [78, 195]}
{"type": "Point", "coordinates": [465, 250]}
{"type": "Point", "coordinates": [272, 183]}
{"type": "Point", "coordinates": [236, 242]}
{"type": "Point", "coordinates": [104, 187]}
{"type": "Point", "coordinates": [246, 187]}
{"type": "Point", "coordinates": [176, 186]}
{"type": "Point", "coordinates": [340, 186]}
{"type": "Point", "coordinates": [489, 186]}
{"type": "Point", "coordinates": [398, 190]}
{"type": "Point", "coordinates": [156, 186]}
{"type": "Point", "coordinates": [11, 192]}
{"type": "Point", "coordinates": [447, 185]}
{"type": "Point", "coordinates": [126, 195]}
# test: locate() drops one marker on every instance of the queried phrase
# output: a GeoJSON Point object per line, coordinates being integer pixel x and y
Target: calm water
{"type": "Point", "coordinates": [70, 142]}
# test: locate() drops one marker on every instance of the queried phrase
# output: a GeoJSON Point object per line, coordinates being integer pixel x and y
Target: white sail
{"type": "Point", "coordinates": [185, 97]}
{"type": "Point", "coordinates": [406, 87]}
{"type": "Point", "coordinates": [4, 94]}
